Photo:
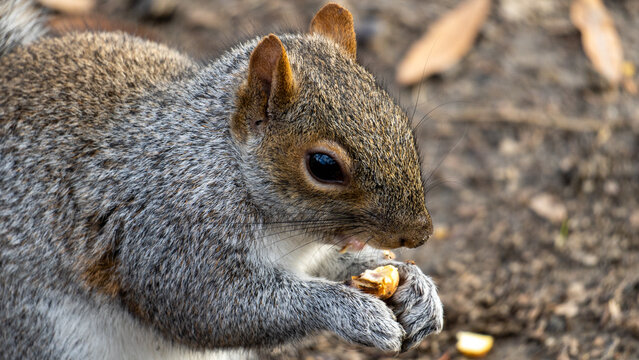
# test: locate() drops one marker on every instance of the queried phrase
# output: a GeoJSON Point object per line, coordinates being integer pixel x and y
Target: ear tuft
{"type": "Point", "coordinates": [336, 23]}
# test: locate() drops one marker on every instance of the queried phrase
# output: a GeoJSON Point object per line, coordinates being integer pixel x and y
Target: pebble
{"type": "Point", "coordinates": [549, 207]}
{"type": "Point", "coordinates": [634, 219]}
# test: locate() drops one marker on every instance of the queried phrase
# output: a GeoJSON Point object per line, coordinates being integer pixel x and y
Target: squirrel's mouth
{"type": "Point", "coordinates": [351, 243]}
{"type": "Point", "coordinates": [357, 242]}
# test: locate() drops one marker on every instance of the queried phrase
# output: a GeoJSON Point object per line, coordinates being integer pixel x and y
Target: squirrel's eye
{"type": "Point", "coordinates": [324, 168]}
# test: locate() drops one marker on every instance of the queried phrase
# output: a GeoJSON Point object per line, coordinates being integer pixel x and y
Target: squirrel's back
{"type": "Point", "coordinates": [96, 71]}
{"type": "Point", "coordinates": [74, 112]}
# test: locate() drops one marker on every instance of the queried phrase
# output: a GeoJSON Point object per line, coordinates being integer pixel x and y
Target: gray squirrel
{"type": "Point", "coordinates": [152, 207]}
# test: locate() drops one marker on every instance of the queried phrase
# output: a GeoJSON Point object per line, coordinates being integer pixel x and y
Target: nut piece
{"type": "Point", "coordinates": [380, 282]}
{"type": "Point", "coordinates": [474, 345]}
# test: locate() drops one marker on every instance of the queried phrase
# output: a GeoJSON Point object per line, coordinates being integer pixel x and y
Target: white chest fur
{"type": "Point", "coordinates": [294, 250]}
{"type": "Point", "coordinates": [87, 332]}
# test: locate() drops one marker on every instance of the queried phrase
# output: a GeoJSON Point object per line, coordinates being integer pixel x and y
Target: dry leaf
{"type": "Point", "coordinates": [62, 24]}
{"type": "Point", "coordinates": [441, 232]}
{"type": "Point", "coordinates": [599, 38]}
{"type": "Point", "coordinates": [69, 6]}
{"type": "Point", "coordinates": [445, 43]}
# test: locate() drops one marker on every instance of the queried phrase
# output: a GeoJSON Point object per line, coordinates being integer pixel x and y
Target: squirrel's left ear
{"type": "Point", "coordinates": [269, 86]}
{"type": "Point", "coordinates": [336, 23]}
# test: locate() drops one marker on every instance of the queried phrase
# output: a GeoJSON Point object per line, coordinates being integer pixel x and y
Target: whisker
{"type": "Point", "coordinates": [436, 184]}
{"type": "Point", "coordinates": [427, 115]}
{"type": "Point", "coordinates": [445, 156]}
{"type": "Point", "coordinates": [297, 248]}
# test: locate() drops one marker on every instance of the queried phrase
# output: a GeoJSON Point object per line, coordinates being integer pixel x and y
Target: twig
{"type": "Point", "coordinates": [511, 115]}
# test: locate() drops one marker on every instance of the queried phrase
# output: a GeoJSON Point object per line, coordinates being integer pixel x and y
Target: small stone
{"type": "Point", "coordinates": [568, 309]}
{"type": "Point", "coordinates": [576, 291]}
{"type": "Point", "coordinates": [634, 219]}
{"type": "Point", "coordinates": [549, 207]}
{"type": "Point", "coordinates": [556, 324]}
{"type": "Point", "coordinates": [588, 186]}
{"type": "Point", "coordinates": [589, 259]}
{"type": "Point", "coordinates": [614, 309]}
{"type": "Point", "coordinates": [599, 341]}
{"type": "Point", "coordinates": [611, 187]}
{"type": "Point", "coordinates": [508, 146]}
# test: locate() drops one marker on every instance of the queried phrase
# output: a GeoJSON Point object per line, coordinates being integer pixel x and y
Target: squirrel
{"type": "Point", "coordinates": [155, 207]}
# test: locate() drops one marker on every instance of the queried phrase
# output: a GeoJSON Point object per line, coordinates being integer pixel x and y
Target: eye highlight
{"type": "Point", "coordinates": [324, 168]}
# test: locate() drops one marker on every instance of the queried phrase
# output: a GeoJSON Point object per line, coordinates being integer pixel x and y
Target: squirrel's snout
{"type": "Point", "coordinates": [413, 235]}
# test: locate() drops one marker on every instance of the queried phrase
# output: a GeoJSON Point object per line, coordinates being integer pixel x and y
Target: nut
{"type": "Point", "coordinates": [381, 282]}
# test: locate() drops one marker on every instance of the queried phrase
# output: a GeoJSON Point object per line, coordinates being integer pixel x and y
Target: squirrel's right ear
{"type": "Point", "coordinates": [336, 23]}
{"type": "Point", "coordinates": [269, 87]}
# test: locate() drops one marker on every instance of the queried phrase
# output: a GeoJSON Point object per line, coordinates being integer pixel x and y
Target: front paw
{"type": "Point", "coordinates": [416, 305]}
{"type": "Point", "coordinates": [363, 319]}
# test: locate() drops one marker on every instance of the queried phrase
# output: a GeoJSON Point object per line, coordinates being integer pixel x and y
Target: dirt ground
{"type": "Point", "coordinates": [533, 165]}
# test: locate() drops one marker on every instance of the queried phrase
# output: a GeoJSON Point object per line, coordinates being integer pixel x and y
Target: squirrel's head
{"type": "Point", "coordinates": [325, 149]}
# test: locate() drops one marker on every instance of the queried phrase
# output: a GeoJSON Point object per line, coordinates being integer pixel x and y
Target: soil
{"type": "Point", "coordinates": [532, 161]}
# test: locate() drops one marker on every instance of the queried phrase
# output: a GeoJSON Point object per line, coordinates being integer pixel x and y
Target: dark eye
{"type": "Point", "coordinates": [324, 168]}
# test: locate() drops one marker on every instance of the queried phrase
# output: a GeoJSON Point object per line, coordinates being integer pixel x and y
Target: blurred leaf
{"type": "Point", "coordinates": [62, 24]}
{"type": "Point", "coordinates": [69, 6]}
{"type": "Point", "coordinates": [445, 43]}
{"type": "Point", "coordinates": [599, 37]}
{"type": "Point", "coordinates": [564, 231]}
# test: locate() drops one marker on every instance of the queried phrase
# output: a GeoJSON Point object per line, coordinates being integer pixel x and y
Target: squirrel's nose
{"type": "Point", "coordinates": [416, 233]}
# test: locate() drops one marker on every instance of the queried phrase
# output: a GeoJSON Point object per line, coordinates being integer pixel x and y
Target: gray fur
{"type": "Point", "coordinates": [20, 24]}
{"type": "Point", "coordinates": [124, 198]}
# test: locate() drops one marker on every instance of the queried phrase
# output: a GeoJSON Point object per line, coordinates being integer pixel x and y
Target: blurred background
{"type": "Point", "coordinates": [531, 155]}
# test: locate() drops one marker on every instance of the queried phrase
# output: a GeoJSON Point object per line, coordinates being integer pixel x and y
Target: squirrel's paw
{"type": "Point", "coordinates": [416, 305]}
{"type": "Point", "coordinates": [366, 320]}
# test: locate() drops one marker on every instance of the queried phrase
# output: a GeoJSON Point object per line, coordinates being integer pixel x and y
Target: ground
{"type": "Point", "coordinates": [532, 161]}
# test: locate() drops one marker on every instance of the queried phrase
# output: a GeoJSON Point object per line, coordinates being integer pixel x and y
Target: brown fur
{"type": "Point", "coordinates": [336, 23]}
{"type": "Point", "coordinates": [101, 274]}
{"type": "Point", "coordinates": [342, 117]}
{"type": "Point", "coordinates": [269, 80]}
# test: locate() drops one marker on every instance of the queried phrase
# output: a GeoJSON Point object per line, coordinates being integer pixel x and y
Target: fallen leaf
{"type": "Point", "coordinates": [62, 24]}
{"type": "Point", "coordinates": [599, 38]}
{"type": "Point", "coordinates": [548, 207]}
{"type": "Point", "coordinates": [445, 43]}
{"type": "Point", "coordinates": [441, 232]}
{"type": "Point", "coordinates": [200, 17]}
{"type": "Point", "coordinates": [74, 7]}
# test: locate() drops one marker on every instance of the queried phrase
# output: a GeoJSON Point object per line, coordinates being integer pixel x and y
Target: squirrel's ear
{"type": "Point", "coordinates": [270, 84]}
{"type": "Point", "coordinates": [270, 72]}
{"type": "Point", "coordinates": [336, 23]}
